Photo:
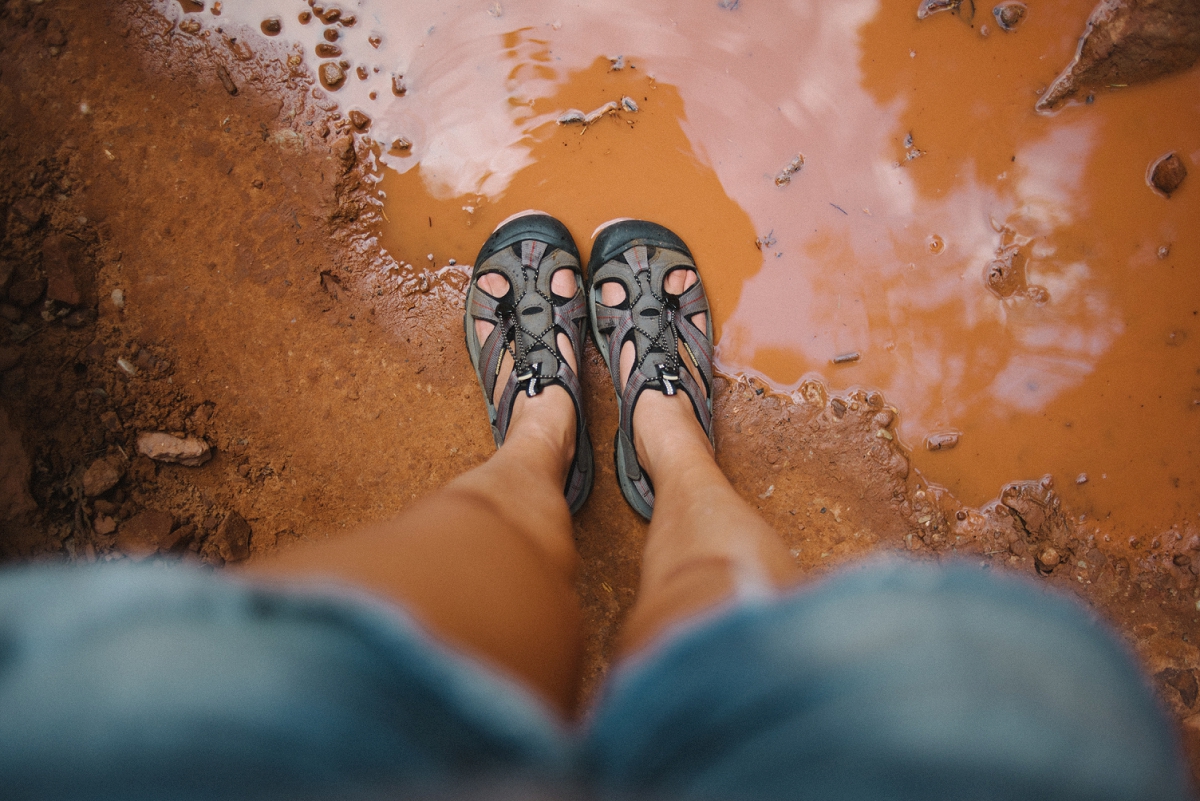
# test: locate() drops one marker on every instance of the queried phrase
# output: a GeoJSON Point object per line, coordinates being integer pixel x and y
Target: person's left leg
{"type": "Point", "coordinates": [487, 562]}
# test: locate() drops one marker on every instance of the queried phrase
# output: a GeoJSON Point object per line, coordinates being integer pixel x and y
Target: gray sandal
{"type": "Point", "coordinates": [639, 255]}
{"type": "Point", "coordinates": [527, 251]}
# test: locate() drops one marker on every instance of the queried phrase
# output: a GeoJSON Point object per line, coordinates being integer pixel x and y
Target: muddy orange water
{"type": "Point", "coordinates": [923, 163]}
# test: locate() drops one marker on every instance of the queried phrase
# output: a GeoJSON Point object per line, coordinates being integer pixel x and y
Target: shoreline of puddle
{"type": "Point", "coordinates": [1081, 360]}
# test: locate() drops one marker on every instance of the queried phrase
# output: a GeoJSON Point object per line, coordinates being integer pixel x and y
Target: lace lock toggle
{"type": "Point", "coordinates": [668, 378]}
{"type": "Point", "coordinates": [531, 375]}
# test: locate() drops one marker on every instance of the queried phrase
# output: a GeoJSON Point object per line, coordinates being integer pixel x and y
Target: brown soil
{"type": "Point", "coordinates": [198, 176]}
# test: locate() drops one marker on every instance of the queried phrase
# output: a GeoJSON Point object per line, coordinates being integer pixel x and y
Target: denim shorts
{"type": "Point", "coordinates": [894, 680]}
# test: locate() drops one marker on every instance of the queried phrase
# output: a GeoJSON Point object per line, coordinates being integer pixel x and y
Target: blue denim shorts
{"type": "Point", "coordinates": [890, 681]}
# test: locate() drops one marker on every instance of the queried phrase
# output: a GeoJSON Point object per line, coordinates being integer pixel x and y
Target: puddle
{"type": "Point", "coordinates": [924, 164]}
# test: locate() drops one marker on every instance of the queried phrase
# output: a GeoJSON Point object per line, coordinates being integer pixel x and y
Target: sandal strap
{"type": "Point", "coordinates": [657, 324]}
{"type": "Point", "coordinates": [528, 318]}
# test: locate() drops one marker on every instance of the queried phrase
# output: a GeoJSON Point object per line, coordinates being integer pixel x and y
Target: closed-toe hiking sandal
{"type": "Point", "coordinates": [639, 255]}
{"type": "Point", "coordinates": [527, 251]}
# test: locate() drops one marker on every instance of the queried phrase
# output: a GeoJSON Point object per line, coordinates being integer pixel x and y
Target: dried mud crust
{"type": "Point", "coordinates": [184, 260]}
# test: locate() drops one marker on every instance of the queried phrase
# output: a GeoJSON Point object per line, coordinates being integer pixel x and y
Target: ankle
{"type": "Point", "coordinates": [545, 426]}
{"type": "Point", "coordinates": [667, 435]}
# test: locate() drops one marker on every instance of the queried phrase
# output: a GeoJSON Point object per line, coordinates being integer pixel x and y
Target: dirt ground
{"type": "Point", "coordinates": [186, 249]}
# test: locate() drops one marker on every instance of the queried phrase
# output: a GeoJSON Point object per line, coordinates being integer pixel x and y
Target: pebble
{"type": "Point", "coordinates": [1167, 173]}
{"type": "Point", "coordinates": [226, 81]}
{"type": "Point", "coordinates": [1047, 559]}
{"type": "Point", "coordinates": [271, 26]}
{"type": "Point", "coordinates": [144, 534]}
{"type": "Point", "coordinates": [190, 26]}
{"type": "Point", "coordinates": [332, 75]}
{"type": "Point", "coordinates": [326, 50]}
{"type": "Point", "coordinates": [1009, 15]}
{"type": "Point", "coordinates": [104, 524]}
{"type": "Point", "coordinates": [846, 358]}
{"type": "Point", "coordinates": [401, 144]}
{"type": "Point", "coordinates": [98, 479]}
{"type": "Point", "coordinates": [232, 538]}
{"type": "Point", "coordinates": [163, 447]}
{"type": "Point", "coordinates": [126, 366]}
{"type": "Point", "coordinates": [118, 299]}
{"type": "Point", "coordinates": [359, 120]}
{"type": "Point", "coordinates": [942, 441]}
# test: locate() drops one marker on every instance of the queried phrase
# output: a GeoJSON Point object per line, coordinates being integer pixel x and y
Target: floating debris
{"type": "Point", "coordinates": [847, 358]}
{"type": "Point", "coordinates": [911, 151]}
{"type": "Point", "coordinates": [1167, 173]}
{"type": "Point", "coordinates": [1082, 478]}
{"type": "Point", "coordinates": [942, 441]}
{"type": "Point", "coordinates": [607, 108]}
{"type": "Point", "coordinates": [618, 63]}
{"type": "Point", "coordinates": [965, 9]}
{"type": "Point", "coordinates": [785, 175]}
{"type": "Point", "coordinates": [729, 5]}
{"type": "Point", "coordinates": [628, 104]}
{"type": "Point", "coordinates": [767, 241]}
{"type": "Point", "coordinates": [571, 117]}
{"type": "Point", "coordinates": [399, 88]}
{"type": "Point", "coordinates": [496, 10]}
{"type": "Point", "coordinates": [1009, 15]}
{"type": "Point", "coordinates": [1164, 251]}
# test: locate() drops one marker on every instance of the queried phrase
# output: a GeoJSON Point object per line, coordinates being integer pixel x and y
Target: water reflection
{"type": "Point", "coordinates": [924, 162]}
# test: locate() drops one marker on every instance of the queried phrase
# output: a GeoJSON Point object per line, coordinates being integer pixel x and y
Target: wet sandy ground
{"type": "Point", "coordinates": [271, 306]}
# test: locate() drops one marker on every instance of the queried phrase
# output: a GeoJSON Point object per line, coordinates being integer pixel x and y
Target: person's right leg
{"type": "Point", "coordinates": [706, 544]}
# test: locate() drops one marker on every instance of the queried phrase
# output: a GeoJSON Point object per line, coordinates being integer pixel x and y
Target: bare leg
{"type": "Point", "coordinates": [487, 563]}
{"type": "Point", "coordinates": [705, 544]}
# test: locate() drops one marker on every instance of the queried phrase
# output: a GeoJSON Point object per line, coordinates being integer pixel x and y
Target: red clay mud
{"type": "Point", "coordinates": [224, 268]}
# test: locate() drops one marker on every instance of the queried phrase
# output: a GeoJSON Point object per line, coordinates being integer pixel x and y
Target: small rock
{"type": "Point", "coordinates": [104, 524]}
{"type": "Point", "coordinates": [1046, 560]}
{"type": "Point", "coordinates": [332, 75]}
{"type": "Point", "coordinates": [1009, 15]}
{"type": "Point", "coordinates": [232, 538]}
{"type": "Point", "coordinates": [1184, 682]}
{"type": "Point", "coordinates": [163, 447]}
{"type": "Point", "coordinates": [143, 534]}
{"type": "Point", "coordinates": [118, 299]}
{"type": "Point", "coordinates": [126, 366]}
{"type": "Point", "coordinates": [1167, 173]}
{"type": "Point", "coordinates": [190, 26]}
{"type": "Point", "coordinates": [401, 144]}
{"type": "Point", "coordinates": [27, 291]}
{"type": "Point", "coordinates": [327, 50]}
{"type": "Point", "coordinates": [1127, 42]}
{"type": "Point", "coordinates": [179, 538]}
{"type": "Point", "coordinates": [98, 479]}
{"type": "Point", "coordinates": [226, 81]}
{"type": "Point", "coordinates": [271, 26]}
{"type": "Point", "coordinates": [332, 15]}
{"type": "Point", "coordinates": [359, 120]}
{"type": "Point", "coordinates": [28, 210]}
{"type": "Point", "coordinates": [942, 441]}
{"type": "Point", "coordinates": [9, 357]}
